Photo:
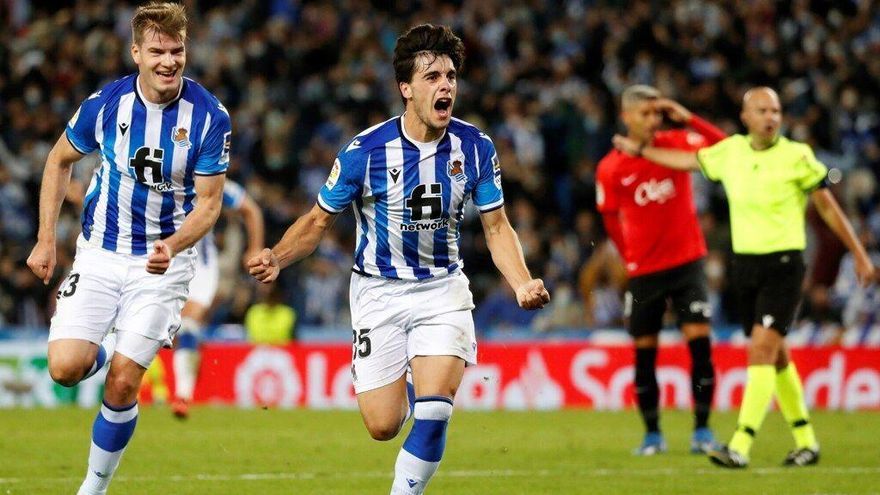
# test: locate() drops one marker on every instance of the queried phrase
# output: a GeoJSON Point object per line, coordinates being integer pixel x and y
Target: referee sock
{"type": "Point", "coordinates": [756, 398]}
{"type": "Point", "coordinates": [420, 455]}
{"type": "Point", "coordinates": [111, 432]}
{"type": "Point", "coordinates": [790, 397]}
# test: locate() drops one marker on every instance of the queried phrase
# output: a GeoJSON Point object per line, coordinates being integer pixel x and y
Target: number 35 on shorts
{"type": "Point", "coordinates": [360, 343]}
{"type": "Point", "coordinates": [68, 288]}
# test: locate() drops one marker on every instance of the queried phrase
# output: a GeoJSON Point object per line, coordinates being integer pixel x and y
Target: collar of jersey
{"type": "Point", "coordinates": [774, 143]}
{"type": "Point", "coordinates": [156, 106]}
{"type": "Point", "coordinates": [418, 144]}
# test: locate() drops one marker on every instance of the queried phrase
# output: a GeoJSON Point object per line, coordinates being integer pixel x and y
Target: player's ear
{"type": "Point", "coordinates": [136, 53]}
{"type": "Point", "coordinates": [405, 90]}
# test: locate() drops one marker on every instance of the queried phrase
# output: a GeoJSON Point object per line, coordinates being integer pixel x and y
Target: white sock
{"type": "Point", "coordinates": [111, 432]}
{"type": "Point", "coordinates": [186, 359]}
{"type": "Point", "coordinates": [420, 455]}
{"type": "Point", "coordinates": [186, 365]}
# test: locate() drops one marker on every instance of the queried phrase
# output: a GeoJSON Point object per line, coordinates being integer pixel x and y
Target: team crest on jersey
{"type": "Point", "coordinates": [455, 169]}
{"type": "Point", "coordinates": [180, 136]}
{"type": "Point", "coordinates": [334, 174]}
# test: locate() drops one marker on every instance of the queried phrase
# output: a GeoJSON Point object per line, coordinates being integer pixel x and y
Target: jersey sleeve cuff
{"type": "Point", "coordinates": [326, 207]}
{"type": "Point", "coordinates": [210, 174]}
{"type": "Point", "coordinates": [491, 206]}
{"type": "Point", "coordinates": [77, 148]}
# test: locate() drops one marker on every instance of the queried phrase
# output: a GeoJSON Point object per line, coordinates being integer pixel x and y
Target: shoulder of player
{"type": "Point", "coordinates": [198, 95]}
{"type": "Point", "coordinates": [468, 132]}
{"type": "Point", "coordinates": [368, 140]}
{"type": "Point", "coordinates": [113, 89]}
{"type": "Point", "coordinates": [609, 163]}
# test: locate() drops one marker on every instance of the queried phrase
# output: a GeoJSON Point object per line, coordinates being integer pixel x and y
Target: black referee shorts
{"type": "Point", "coordinates": [647, 295]}
{"type": "Point", "coordinates": [768, 288]}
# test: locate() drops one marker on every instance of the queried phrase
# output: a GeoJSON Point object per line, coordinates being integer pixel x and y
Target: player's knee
{"type": "Point", "coordinates": [65, 371]}
{"type": "Point", "coordinates": [66, 376]}
{"type": "Point", "coordinates": [383, 430]}
{"type": "Point", "coordinates": [762, 352]}
{"type": "Point", "coordinates": [121, 387]}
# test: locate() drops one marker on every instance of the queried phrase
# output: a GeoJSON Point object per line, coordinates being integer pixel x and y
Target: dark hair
{"type": "Point", "coordinates": [425, 38]}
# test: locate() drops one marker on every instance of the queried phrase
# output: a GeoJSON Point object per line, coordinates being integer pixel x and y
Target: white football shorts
{"type": "Point", "coordinates": [106, 289]}
{"type": "Point", "coordinates": [203, 286]}
{"type": "Point", "coordinates": [394, 321]}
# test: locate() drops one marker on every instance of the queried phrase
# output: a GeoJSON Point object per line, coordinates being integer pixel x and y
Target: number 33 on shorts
{"type": "Point", "coordinates": [68, 288]}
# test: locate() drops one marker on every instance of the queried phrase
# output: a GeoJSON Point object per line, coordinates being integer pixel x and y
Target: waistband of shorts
{"type": "Point", "coordinates": [767, 256]}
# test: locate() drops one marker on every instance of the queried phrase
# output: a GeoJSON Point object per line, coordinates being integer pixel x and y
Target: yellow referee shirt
{"type": "Point", "coordinates": [767, 191]}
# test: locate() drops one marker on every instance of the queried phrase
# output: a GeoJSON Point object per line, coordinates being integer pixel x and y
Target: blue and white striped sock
{"type": "Point", "coordinates": [421, 453]}
{"type": "Point", "coordinates": [105, 354]}
{"type": "Point", "coordinates": [111, 432]}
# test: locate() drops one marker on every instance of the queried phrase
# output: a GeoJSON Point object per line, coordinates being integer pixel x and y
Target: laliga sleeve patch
{"type": "Point", "coordinates": [227, 146]}
{"type": "Point", "coordinates": [73, 119]}
{"type": "Point", "coordinates": [496, 170]}
{"type": "Point", "coordinates": [334, 174]}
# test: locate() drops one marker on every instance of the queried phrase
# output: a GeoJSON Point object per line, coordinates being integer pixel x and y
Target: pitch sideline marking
{"type": "Point", "coordinates": [306, 476]}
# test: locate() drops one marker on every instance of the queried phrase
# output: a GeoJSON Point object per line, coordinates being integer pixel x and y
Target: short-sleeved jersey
{"type": "Point", "coordinates": [409, 197]}
{"type": "Point", "coordinates": [150, 155]}
{"type": "Point", "coordinates": [767, 191]}
{"type": "Point", "coordinates": [654, 204]}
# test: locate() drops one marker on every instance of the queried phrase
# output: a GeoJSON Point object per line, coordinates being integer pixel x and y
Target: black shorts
{"type": "Point", "coordinates": [647, 295]}
{"type": "Point", "coordinates": [768, 288]}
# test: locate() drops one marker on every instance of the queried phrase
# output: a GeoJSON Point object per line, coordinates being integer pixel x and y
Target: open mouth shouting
{"type": "Point", "coordinates": [443, 106]}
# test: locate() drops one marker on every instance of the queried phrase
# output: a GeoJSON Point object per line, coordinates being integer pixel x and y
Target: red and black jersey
{"type": "Point", "coordinates": [649, 209]}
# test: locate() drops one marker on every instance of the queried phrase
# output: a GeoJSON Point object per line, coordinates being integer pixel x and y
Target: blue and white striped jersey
{"type": "Point", "coordinates": [150, 155]}
{"type": "Point", "coordinates": [409, 197]}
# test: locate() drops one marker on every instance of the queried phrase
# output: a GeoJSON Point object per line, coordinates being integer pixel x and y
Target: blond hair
{"type": "Point", "coordinates": [162, 17]}
{"type": "Point", "coordinates": [638, 93]}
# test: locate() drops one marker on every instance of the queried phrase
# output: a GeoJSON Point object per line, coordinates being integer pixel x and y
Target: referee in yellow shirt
{"type": "Point", "coordinates": [768, 180]}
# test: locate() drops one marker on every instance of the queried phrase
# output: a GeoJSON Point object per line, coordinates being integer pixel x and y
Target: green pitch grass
{"type": "Point", "coordinates": [230, 451]}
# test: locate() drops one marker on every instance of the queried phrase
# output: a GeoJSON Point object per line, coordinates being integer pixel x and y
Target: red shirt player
{"type": "Point", "coordinates": [649, 213]}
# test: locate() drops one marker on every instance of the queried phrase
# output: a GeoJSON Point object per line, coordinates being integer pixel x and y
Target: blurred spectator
{"type": "Point", "coordinates": [270, 321]}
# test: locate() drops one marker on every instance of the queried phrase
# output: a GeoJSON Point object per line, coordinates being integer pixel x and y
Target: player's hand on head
{"type": "Point", "coordinates": [264, 267]}
{"type": "Point", "coordinates": [674, 110]}
{"type": "Point", "coordinates": [41, 261]}
{"type": "Point", "coordinates": [532, 294]}
{"type": "Point", "coordinates": [626, 145]}
{"type": "Point", "coordinates": [160, 258]}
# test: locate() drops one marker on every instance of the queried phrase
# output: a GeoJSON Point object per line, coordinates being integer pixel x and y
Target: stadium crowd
{"type": "Point", "coordinates": [542, 77]}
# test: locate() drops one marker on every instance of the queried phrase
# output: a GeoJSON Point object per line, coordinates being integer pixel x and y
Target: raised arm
{"type": "Point", "coordinates": [53, 189]}
{"type": "Point", "coordinates": [209, 198]}
{"type": "Point", "coordinates": [671, 158]}
{"type": "Point", "coordinates": [300, 240]}
{"type": "Point", "coordinates": [677, 112]}
{"type": "Point", "coordinates": [833, 215]}
{"type": "Point", "coordinates": [508, 257]}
